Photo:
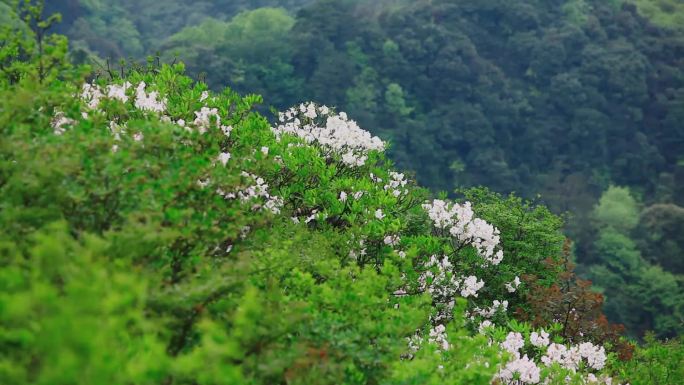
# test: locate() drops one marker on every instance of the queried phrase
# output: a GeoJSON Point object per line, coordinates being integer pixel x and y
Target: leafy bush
{"type": "Point", "coordinates": [154, 232]}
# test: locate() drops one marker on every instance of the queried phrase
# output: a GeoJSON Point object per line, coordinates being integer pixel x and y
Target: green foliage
{"type": "Point", "coordinates": [661, 236]}
{"type": "Point", "coordinates": [117, 266]}
{"type": "Point", "coordinates": [25, 36]}
{"type": "Point", "coordinates": [124, 258]}
{"type": "Point", "coordinates": [665, 13]}
{"type": "Point", "coordinates": [639, 295]}
{"type": "Point", "coordinates": [561, 98]}
{"type": "Point", "coordinates": [617, 209]}
{"type": "Point", "coordinates": [250, 52]}
{"type": "Point", "coordinates": [656, 363]}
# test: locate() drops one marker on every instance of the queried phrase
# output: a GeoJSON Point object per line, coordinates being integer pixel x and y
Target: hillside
{"type": "Point", "coordinates": [157, 232]}
{"type": "Point", "coordinates": [564, 102]}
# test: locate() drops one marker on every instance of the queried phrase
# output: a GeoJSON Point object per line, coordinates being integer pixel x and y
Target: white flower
{"type": "Point", "coordinates": [203, 119]}
{"type": "Point", "coordinates": [379, 214]}
{"type": "Point", "coordinates": [264, 150]}
{"type": "Point", "coordinates": [226, 130]}
{"type": "Point", "coordinates": [525, 368]}
{"type": "Point", "coordinates": [343, 196]}
{"type": "Point", "coordinates": [539, 340]}
{"type": "Point", "coordinates": [513, 343]}
{"type": "Point", "coordinates": [392, 240]}
{"type": "Point", "coordinates": [337, 137]}
{"type": "Point", "coordinates": [554, 353]}
{"type": "Point", "coordinates": [148, 102]}
{"type": "Point", "coordinates": [224, 157]}
{"type": "Point", "coordinates": [138, 136]}
{"type": "Point", "coordinates": [470, 286]}
{"type": "Point", "coordinates": [91, 94]}
{"type": "Point", "coordinates": [462, 224]}
{"type": "Point", "coordinates": [395, 184]}
{"type": "Point", "coordinates": [59, 123]}
{"type": "Point", "coordinates": [439, 336]}
{"type": "Point", "coordinates": [595, 355]}
{"type": "Point", "coordinates": [118, 92]}
{"type": "Point", "coordinates": [484, 325]}
{"type": "Point", "coordinates": [513, 286]}
{"type": "Point", "coordinates": [204, 96]}
{"type": "Point", "coordinates": [310, 111]}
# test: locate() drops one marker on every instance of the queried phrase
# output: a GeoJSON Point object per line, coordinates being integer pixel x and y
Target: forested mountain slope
{"type": "Point", "coordinates": [155, 232]}
{"type": "Point", "coordinates": [569, 100]}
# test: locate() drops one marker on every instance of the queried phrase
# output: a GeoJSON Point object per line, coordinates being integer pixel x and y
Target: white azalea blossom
{"type": "Point", "coordinates": [521, 370]}
{"type": "Point", "coordinates": [60, 122]}
{"type": "Point", "coordinates": [335, 134]}
{"type": "Point", "coordinates": [118, 92]}
{"type": "Point", "coordinates": [224, 157]}
{"type": "Point", "coordinates": [513, 343]}
{"type": "Point", "coordinates": [540, 339]}
{"type": "Point", "coordinates": [484, 325]}
{"type": "Point", "coordinates": [461, 223]}
{"type": "Point", "coordinates": [513, 285]}
{"type": "Point", "coordinates": [470, 285]}
{"type": "Point", "coordinates": [439, 336]}
{"type": "Point", "coordinates": [148, 102]}
{"type": "Point", "coordinates": [91, 94]}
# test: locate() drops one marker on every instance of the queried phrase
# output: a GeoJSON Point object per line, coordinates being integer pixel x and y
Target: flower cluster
{"type": "Point", "coordinates": [334, 133]}
{"type": "Point", "coordinates": [540, 339]}
{"type": "Point", "coordinates": [579, 360]}
{"type": "Point", "coordinates": [258, 190]}
{"type": "Point", "coordinates": [497, 306]}
{"type": "Point", "coordinates": [148, 102]}
{"type": "Point", "coordinates": [60, 122]}
{"type": "Point", "coordinates": [513, 343]}
{"type": "Point", "coordinates": [396, 185]}
{"type": "Point", "coordinates": [462, 224]}
{"type": "Point", "coordinates": [523, 369]}
{"type": "Point", "coordinates": [203, 121]}
{"type": "Point", "coordinates": [444, 285]}
{"type": "Point", "coordinates": [118, 92]}
{"type": "Point", "coordinates": [438, 335]}
{"type": "Point", "coordinates": [513, 285]}
{"type": "Point", "coordinates": [570, 357]}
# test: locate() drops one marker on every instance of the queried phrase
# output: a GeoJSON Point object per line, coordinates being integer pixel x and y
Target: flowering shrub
{"type": "Point", "coordinates": [154, 232]}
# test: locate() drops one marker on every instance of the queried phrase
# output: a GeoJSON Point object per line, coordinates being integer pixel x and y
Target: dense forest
{"type": "Point", "coordinates": [163, 223]}
{"type": "Point", "coordinates": [578, 104]}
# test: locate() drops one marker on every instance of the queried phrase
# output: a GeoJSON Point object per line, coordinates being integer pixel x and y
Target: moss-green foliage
{"type": "Point", "coordinates": [665, 13]}
{"type": "Point", "coordinates": [561, 98]}
{"type": "Point", "coordinates": [115, 268]}
{"type": "Point", "coordinates": [639, 294]}
{"type": "Point", "coordinates": [121, 262]}
{"type": "Point", "coordinates": [115, 263]}
{"type": "Point", "coordinates": [656, 363]}
{"type": "Point", "coordinates": [251, 49]}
